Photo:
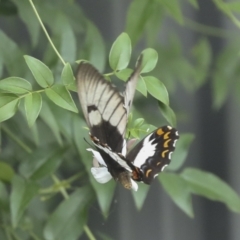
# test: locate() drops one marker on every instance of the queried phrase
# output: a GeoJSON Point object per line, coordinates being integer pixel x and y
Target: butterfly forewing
{"type": "Point", "coordinates": [153, 153]}
{"type": "Point", "coordinates": [131, 86]}
{"type": "Point", "coordinates": [103, 107]}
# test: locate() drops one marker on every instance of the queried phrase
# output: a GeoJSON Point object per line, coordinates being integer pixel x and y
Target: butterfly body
{"type": "Point", "coordinates": [106, 112]}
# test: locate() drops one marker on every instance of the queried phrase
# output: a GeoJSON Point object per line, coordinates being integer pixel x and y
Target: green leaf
{"type": "Point", "coordinates": [6, 172]}
{"type": "Point", "coordinates": [22, 193]}
{"type": "Point", "coordinates": [173, 7]}
{"type": "Point", "coordinates": [48, 117]}
{"type": "Point", "coordinates": [68, 220]}
{"type": "Point", "coordinates": [168, 113]}
{"type": "Point", "coordinates": [104, 192]}
{"type": "Point", "coordinates": [138, 122]}
{"type": "Point", "coordinates": [124, 74]}
{"type": "Point", "coordinates": [72, 87]}
{"type": "Point", "coordinates": [157, 89]}
{"type": "Point", "coordinates": [141, 86]}
{"type": "Point", "coordinates": [40, 71]}
{"type": "Point", "coordinates": [178, 190]}
{"type": "Point", "coordinates": [35, 134]}
{"type": "Point", "coordinates": [15, 85]}
{"type": "Point", "coordinates": [150, 58]}
{"type": "Point", "coordinates": [8, 106]}
{"type": "Point", "coordinates": [120, 52]}
{"type": "Point", "coordinates": [61, 97]}
{"type": "Point", "coordinates": [180, 154]}
{"type": "Point", "coordinates": [134, 133]}
{"type": "Point", "coordinates": [212, 187]}
{"type": "Point", "coordinates": [67, 76]}
{"type": "Point", "coordinates": [140, 195]}
{"type": "Point", "coordinates": [33, 105]}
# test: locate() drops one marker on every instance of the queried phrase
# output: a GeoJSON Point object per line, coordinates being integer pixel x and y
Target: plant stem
{"type": "Point", "coordinates": [109, 74]}
{"type": "Point", "coordinates": [88, 232]}
{"type": "Point", "coordinates": [74, 177]}
{"type": "Point", "coordinates": [16, 139]}
{"type": "Point", "coordinates": [46, 33]}
{"type": "Point", "coordinates": [62, 189]}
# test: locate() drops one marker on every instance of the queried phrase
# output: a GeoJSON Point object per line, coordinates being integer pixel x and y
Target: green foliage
{"type": "Point", "coordinates": [210, 186]}
{"type": "Point", "coordinates": [45, 153]}
{"type": "Point", "coordinates": [178, 190]}
{"type": "Point", "coordinates": [120, 52]}
{"type": "Point", "coordinates": [69, 224]}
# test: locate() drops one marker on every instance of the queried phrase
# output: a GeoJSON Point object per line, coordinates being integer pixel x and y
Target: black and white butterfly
{"type": "Point", "coordinates": [106, 112]}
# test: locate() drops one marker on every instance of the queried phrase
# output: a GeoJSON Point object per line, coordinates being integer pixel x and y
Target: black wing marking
{"type": "Point", "coordinates": [151, 155]}
{"type": "Point", "coordinates": [104, 108]}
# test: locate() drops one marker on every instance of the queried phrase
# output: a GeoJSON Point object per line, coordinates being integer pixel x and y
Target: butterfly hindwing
{"type": "Point", "coordinates": [152, 154]}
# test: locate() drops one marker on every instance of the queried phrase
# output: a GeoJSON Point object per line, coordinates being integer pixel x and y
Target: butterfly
{"type": "Point", "coordinates": [106, 112]}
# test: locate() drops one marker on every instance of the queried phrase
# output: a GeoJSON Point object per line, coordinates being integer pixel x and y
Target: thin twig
{"type": "Point", "coordinates": [46, 33]}
{"type": "Point", "coordinates": [16, 139]}
{"type": "Point", "coordinates": [88, 232]}
{"type": "Point", "coordinates": [62, 189]}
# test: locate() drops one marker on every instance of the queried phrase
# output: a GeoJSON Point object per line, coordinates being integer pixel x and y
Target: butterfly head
{"type": "Point", "coordinates": [125, 178]}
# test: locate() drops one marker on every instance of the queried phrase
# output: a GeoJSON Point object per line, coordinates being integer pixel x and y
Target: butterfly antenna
{"type": "Point", "coordinates": [88, 143]}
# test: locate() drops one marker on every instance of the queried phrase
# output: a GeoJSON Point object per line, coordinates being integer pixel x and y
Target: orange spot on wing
{"type": "Point", "coordinates": [166, 143]}
{"type": "Point", "coordinates": [166, 135]}
{"type": "Point", "coordinates": [148, 172]}
{"type": "Point", "coordinates": [164, 152]}
{"type": "Point", "coordinates": [160, 132]}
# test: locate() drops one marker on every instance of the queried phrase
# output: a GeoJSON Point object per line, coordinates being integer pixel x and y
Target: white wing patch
{"type": "Point", "coordinates": [98, 156]}
{"type": "Point", "coordinates": [124, 149]}
{"type": "Point", "coordinates": [115, 157]}
{"type": "Point", "coordinates": [134, 185]}
{"type": "Point", "coordinates": [164, 167]}
{"type": "Point", "coordinates": [95, 117]}
{"type": "Point", "coordinates": [101, 174]}
{"type": "Point", "coordinates": [147, 150]}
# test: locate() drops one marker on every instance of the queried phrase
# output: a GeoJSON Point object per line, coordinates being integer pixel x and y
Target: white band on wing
{"type": "Point", "coordinates": [101, 174]}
